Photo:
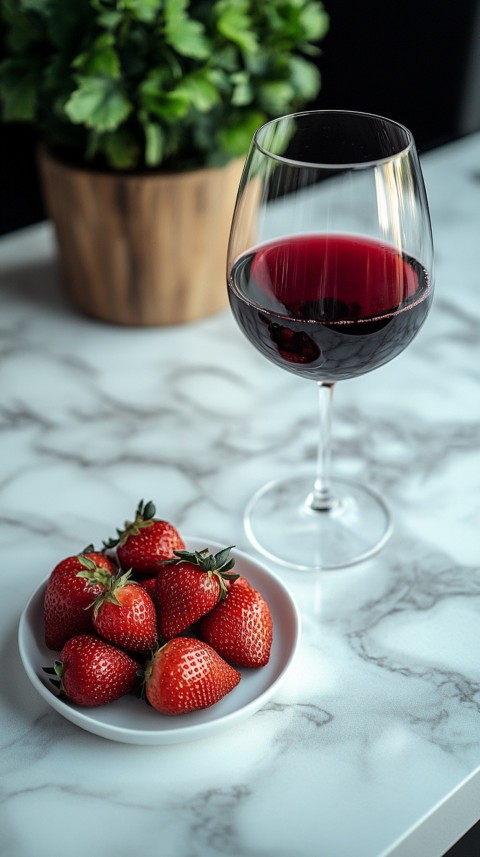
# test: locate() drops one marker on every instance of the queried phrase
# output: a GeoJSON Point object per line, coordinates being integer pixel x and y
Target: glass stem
{"type": "Point", "coordinates": [321, 499]}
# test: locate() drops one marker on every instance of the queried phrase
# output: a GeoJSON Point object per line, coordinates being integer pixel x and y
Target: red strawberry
{"type": "Point", "coordinates": [69, 593]}
{"type": "Point", "coordinates": [190, 586]}
{"type": "Point", "coordinates": [148, 583]}
{"type": "Point", "coordinates": [145, 542]}
{"type": "Point", "coordinates": [124, 614]}
{"type": "Point", "coordinates": [186, 674]}
{"type": "Point", "coordinates": [92, 672]}
{"type": "Point", "coordinates": [240, 626]}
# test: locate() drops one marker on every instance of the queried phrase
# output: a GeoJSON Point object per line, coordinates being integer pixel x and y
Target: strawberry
{"type": "Point", "coordinates": [124, 614]}
{"type": "Point", "coordinates": [145, 542]}
{"type": "Point", "coordinates": [93, 672]}
{"type": "Point", "coordinates": [189, 586]}
{"type": "Point", "coordinates": [240, 626]}
{"type": "Point", "coordinates": [185, 675]}
{"type": "Point", "coordinates": [69, 593]}
{"type": "Point", "coordinates": [148, 583]}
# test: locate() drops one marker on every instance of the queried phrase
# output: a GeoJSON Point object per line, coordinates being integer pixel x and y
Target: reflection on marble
{"type": "Point", "coordinates": [380, 721]}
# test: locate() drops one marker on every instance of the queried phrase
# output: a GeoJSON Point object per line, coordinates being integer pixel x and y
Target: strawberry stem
{"type": "Point", "coordinates": [219, 564]}
{"type": "Point", "coordinates": [93, 574]}
{"type": "Point", "coordinates": [112, 586]}
{"type": "Point", "coordinates": [57, 671]}
{"type": "Point", "coordinates": [144, 517]}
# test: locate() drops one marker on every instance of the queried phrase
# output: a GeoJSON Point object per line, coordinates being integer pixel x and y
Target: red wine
{"type": "Point", "coordinates": [329, 307]}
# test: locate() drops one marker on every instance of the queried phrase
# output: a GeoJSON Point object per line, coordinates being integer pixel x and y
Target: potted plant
{"type": "Point", "coordinates": [146, 109]}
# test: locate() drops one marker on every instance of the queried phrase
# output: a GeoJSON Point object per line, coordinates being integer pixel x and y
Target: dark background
{"type": "Point", "coordinates": [415, 61]}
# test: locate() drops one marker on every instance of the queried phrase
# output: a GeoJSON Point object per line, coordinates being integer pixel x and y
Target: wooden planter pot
{"type": "Point", "coordinates": [145, 249]}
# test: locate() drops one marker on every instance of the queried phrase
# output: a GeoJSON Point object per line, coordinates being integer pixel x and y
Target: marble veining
{"type": "Point", "coordinates": [379, 724]}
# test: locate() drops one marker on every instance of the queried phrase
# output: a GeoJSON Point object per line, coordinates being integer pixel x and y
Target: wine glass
{"type": "Point", "coordinates": [330, 275]}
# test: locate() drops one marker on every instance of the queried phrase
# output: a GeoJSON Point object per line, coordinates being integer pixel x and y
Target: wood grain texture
{"type": "Point", "coordinates": [144, 249]}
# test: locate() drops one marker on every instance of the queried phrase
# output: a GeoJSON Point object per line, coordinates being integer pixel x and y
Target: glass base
{"type": "Point", "coordinates": [281, 524]}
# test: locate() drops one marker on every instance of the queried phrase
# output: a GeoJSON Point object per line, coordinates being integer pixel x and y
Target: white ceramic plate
{"type": "Point", "coordinates": [134, 722]}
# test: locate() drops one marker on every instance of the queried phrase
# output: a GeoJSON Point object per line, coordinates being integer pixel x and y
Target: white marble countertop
{"type": "Point", "coordinates": [372, 746]}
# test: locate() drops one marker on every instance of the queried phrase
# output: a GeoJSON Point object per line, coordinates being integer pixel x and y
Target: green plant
{"type": "Point", "coordinates": [134, 84]}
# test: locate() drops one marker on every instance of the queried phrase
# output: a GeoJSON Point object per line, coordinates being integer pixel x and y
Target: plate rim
{"type": "Point", "coordinates": [180, 733]}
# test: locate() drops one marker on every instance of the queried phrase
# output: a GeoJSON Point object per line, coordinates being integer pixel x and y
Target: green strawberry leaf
{"type": "Point", "coordinates": [223, 556]}
{"type": "Point", "coordinates": [148, 510]}
{"type": "Point", "coordinates": [219, 564]}
{"type": "Point", "coordinates": [87, 563]}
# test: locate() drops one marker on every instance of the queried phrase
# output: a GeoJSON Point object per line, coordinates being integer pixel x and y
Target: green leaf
{"type": "Point", "coordinates": [121, 149]}
{"type": "Point", "coordinates": [167, 105]}
{"type": "Point", "coordinates": [154, 144]}
{"type": "Point", "coordinates": [110, 20]}
{"type": "Point", "coordinates": [98, 103]}
{"type": "Point", "coordinates": [305, 78]}
{"type": "Point", "coordinates": [43, 7]}
{"type": "Point", "coordinates": [18, 90]}
{"type": "Point", "coordinates": [184, 34]}
{"type": "Point", "coordinates": [315, 21]}
{"type": "Point", "coordinates": [276, 96]}
{"type": "Point", "coordinates": [219, 78]}
{"type": "Point", "coordinates": [203, 133]}
{"type": "Point", "coordinates": [236, 137]}
{"type": "Point", "coordinates": [236, 25]}
{"type": "Point", "coordinates": [227, 58]}
{"type": "Point", "coordinates": [223, 556]}
{"type": "Point", "coordinates": [143, 10]}
{"type": "Point", "coordinates": [201, 94]}
{"type": "Point", "coordinates": [100, 59]}
{"type": "Point", "coordinates": [175, 105]}
{"type": "Point", "coordinates": [87, 563]}
{"type": "Point", "coordinates": [149, 510]}
{"type": "Point", "coordinates": [21, 31]}
{"type": "Point", "coordinates": [139, 10]}
{"type": "Point", "coordinates": [243, 92]}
